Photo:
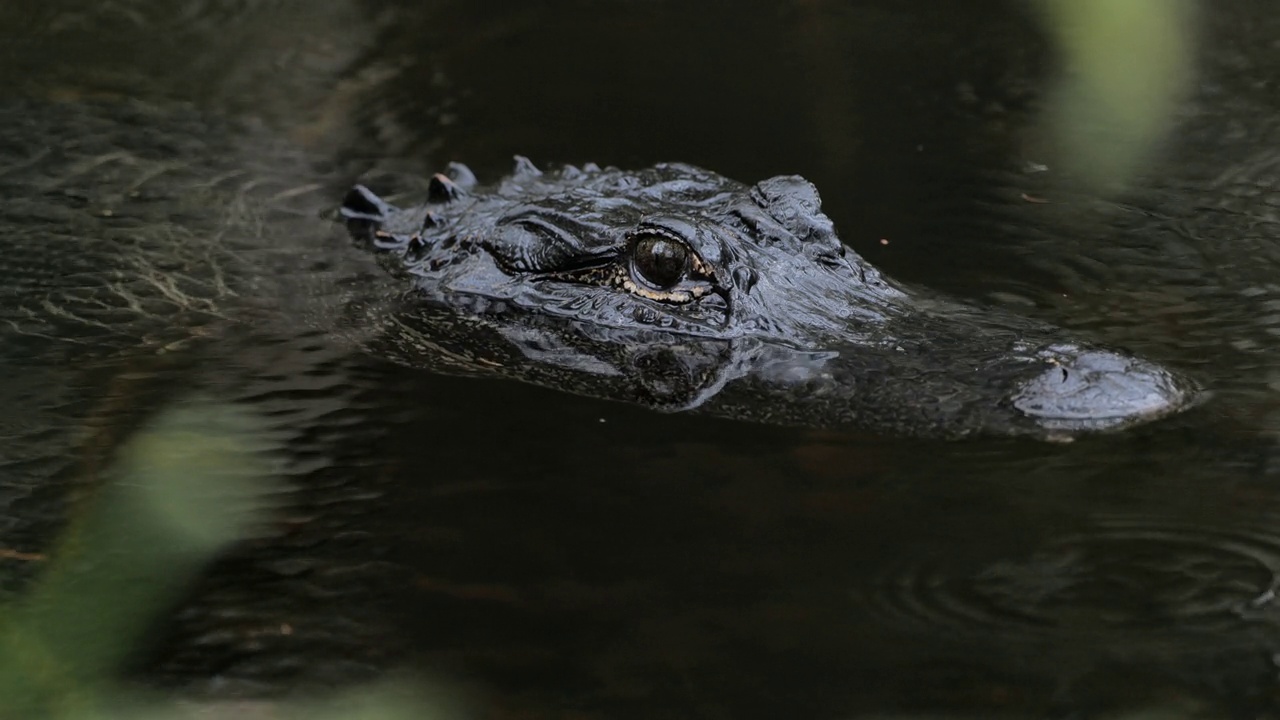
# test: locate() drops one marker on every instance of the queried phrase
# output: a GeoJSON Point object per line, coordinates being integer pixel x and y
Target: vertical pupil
{"type": "Point", "coordinates": [661, 261]}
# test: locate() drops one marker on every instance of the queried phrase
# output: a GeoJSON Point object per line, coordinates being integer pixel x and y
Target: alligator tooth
{"type": "Point", "coordinates": [525, 167]}
{"type": "Point", "coordinates": [442, 189]}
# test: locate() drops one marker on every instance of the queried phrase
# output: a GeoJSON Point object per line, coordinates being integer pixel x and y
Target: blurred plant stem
{"type": "Point", "coordinates": [182, 488]}
{"type": "Point", "coordinates": [194, 479]}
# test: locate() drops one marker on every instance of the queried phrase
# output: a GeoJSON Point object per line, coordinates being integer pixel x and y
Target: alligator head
{"type": "Point", "coordinates": [680, 288]}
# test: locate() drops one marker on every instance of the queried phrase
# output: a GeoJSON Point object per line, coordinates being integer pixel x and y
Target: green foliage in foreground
{"type": "Point", "coordinates": [194, 480]}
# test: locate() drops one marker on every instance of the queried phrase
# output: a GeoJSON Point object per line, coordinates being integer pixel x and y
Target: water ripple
{"type": "Point", "coordinates": [1131, 578]}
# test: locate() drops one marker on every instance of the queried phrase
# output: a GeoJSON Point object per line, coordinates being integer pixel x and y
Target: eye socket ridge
{"type": "Point", "coordinates": [547, 230]}
{"type": "Point", "coordinates": [529, 244]}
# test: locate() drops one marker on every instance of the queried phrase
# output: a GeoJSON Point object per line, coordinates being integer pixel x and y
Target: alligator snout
{"type": "Point", "coordinates": [1100, 390]}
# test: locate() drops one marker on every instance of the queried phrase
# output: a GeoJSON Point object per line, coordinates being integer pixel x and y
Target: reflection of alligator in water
{"type": "Point", "coordinates": [680, 288]}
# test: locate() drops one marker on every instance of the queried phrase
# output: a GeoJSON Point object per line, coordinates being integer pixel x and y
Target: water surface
{"type": "Point", "coordinates": [562, 556]}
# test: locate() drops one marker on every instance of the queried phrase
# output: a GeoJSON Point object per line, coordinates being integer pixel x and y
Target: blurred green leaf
{"type": "Point", "coordinates": [1127, 64]}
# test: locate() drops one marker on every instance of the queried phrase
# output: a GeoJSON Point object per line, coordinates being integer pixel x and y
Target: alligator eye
{"type": "Point", "coordinates": [659, 260]}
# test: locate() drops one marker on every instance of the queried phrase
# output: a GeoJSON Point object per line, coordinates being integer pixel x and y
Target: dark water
{"type": "Point", "coordinates": [565, 557]}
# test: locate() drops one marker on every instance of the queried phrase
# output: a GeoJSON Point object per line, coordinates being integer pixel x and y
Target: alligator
{"type": "Point", "coordinates": [679, 288]}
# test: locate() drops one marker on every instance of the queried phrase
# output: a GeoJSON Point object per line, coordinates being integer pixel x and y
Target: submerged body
{"type": "Point", "coordinates": [679, 288]}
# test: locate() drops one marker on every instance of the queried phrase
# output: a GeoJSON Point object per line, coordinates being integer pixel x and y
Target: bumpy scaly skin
{"type": "Point", "coordinates": [773, 318]}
